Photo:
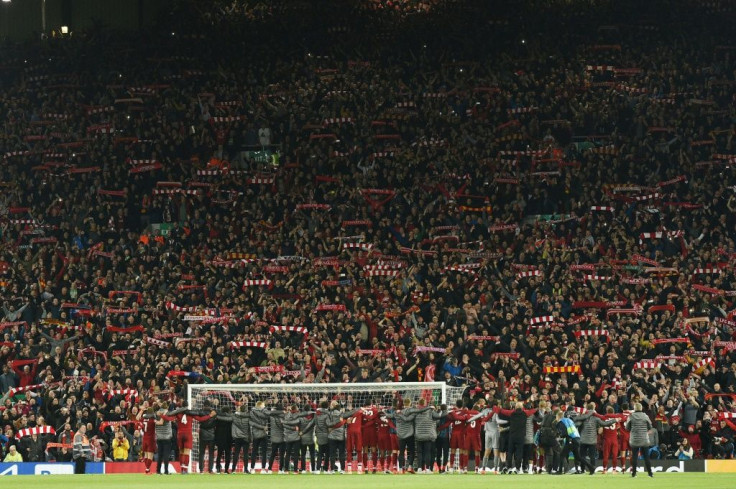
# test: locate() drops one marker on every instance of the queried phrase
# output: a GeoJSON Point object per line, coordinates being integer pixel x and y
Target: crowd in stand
{"type": "Point", "coordinates": [535, 210]}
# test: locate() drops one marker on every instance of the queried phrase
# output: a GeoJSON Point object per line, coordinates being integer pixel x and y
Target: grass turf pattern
{"type": "Point", "coordinates": [371, 481]}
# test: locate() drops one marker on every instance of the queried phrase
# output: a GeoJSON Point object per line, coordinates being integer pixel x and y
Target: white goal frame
{"type": "Point", "coordinates": [447, 395]}
{"type": "Point", "coordinates": [342, 388]}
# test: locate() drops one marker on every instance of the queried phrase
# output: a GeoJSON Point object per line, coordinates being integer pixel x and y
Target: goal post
{"type": "Point", "coordinates": [202, 397]}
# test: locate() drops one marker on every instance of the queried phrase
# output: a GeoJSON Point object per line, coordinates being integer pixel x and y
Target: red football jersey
{"type": "Point", "coordinates": [623, 431]}
{"type": "Point", "coordinates": [384, 426]}
{"type": "Point", "coordinates": [458, 419]}
{"type": "Point", "coordinates": [184, 422]}
{"type": "Point", "coordinates": [472, 428]}
{"type": "Point", "coordinates": [149, 430]}
{"type": "Point", "coordinates": [612, 432]}
{"type": "Point", "coordinates": [370, 418]}
{"type": "Point", "coordinates": [355, 422]}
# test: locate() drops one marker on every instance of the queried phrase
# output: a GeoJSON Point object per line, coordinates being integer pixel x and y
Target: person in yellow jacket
{"type": "Point", "coordinates": [13, 455]}
{"type": "Point", "coordinates": [120, 447]}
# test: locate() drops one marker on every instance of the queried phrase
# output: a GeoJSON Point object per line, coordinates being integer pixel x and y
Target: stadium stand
{"type": "Point", "coordinates": [533, 200]}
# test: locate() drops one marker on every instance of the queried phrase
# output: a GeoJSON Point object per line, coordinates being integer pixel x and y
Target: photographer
{"type": "Point", "coordinates": [722, 443]}
{"type": "Point", "coordinates": [684, 450]}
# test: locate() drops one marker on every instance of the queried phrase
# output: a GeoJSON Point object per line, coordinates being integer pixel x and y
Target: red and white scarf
{"type": "Point", "coordinates": [647, 364]}
{"type": "Point", "coordinates": [381, 273]}
{"type": "Point", "coordinates": [248, 344]}
{"type": "Point", "coordinates": [293, 329]}
{"type": "Point", "coordinates": [530, 273]}
{"type": "Point", "coordinates": [331, 307]}
{"type": "Point", "coordinates": [592, 332]}
{"type": "Point", "coordinates": [515, 355]}
{"type": "Point", "coordinates": [38, 430]}
{"type": "Point", "coordinates": [660, 341]}
{"type": "Point", "coordinates": [429, 349]}
{"type": "Point", "coordinates": [128, 393]}
{"type": "Point", "coordinates": [159, 343]}
{"type": "Point", "coordinates": [269, 369]}
{"type": "Point", "coordinates": [541, 319]}
{"type": "Point", "coordinates": [631, 311]}
{"type": "Point", "coordinates": [257, 283]}
{"type": "Point", "coordinates": [703, 362]}
{"type": "Point", "coordinates": [19, 390]}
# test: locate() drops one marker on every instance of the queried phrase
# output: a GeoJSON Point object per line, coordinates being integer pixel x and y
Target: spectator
{"type": "Point", "coordinates": [13, 455]}
{"type": "Point", "coordinates": [33, 448]}
{"type": "Point", "coordinates": [120, 447]}
{"type": "Point", "coordinates": [723, 440]}
{"type": "Point", "coordinates": [136, 446]}
{"type": "Point", "coordinates": [684, 450]}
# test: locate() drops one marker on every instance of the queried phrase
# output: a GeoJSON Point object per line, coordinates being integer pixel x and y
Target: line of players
{"type": "Point", "coordinates": [371, 436]}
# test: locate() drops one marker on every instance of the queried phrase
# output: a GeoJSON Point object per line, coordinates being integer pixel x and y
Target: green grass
{"type": "Point", "coordinates": [370, 481]}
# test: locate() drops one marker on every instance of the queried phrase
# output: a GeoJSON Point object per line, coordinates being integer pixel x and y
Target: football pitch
{"type": "Point", "coordinates": [377, 481]}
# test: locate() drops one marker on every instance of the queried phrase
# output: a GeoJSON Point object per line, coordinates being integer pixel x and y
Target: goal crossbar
{"type": "Point", "coordinates": [342, 388]}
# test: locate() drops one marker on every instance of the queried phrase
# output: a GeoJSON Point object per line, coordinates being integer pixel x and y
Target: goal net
{"type": "Point", "coordinates": [204, 397]}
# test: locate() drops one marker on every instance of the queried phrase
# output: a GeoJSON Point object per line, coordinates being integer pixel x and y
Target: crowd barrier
{"type": "Point", "coordinates": [667, 465]}
{"type": "Point", "coordinates": [720, 466]}
{"type": "Point", "coordinates": [49, 468]}
{"type": "Point", "coordinates": [62, 468]}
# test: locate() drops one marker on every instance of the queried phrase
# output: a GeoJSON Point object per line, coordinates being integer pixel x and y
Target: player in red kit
{"type": "Point", "coordinates": [355, 438]}
{"type": "Point", "coordinates": [388, 443]}
{"type": "Point", "coordinates": [473, 425]}
{"type": "Point", "coordinates": [184, 418]}
{"type": "Point", "coordinates": [148, 446]}
{"type": "Point", "coordinates": [457, 438]}
{"type": "Point", "coordinates": [610, 439]}
{"type": "Point", "coordinates": [370, 436]}
{"type": "Point", "coordinates": [623, 439]}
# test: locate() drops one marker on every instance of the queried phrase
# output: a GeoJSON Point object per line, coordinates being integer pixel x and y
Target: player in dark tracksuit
{"type": "Point", "coordinates": [336, 438]}
{"type": "Point", "coordinates": [442, 444]}
{"type": "Point", "coordinates": [278, 447]}
{"type": "Point", "coordinates": [404, 420]}
{"type": "Point", "coordinates": [322, 432]}
{"type": "Point", "coordinates": [224, 438]}
{"type": "Point", "coordinates": [425, 433]}
{"type": "Point", "coordinates": [207, 441]}
{"type": "Point", "coordinates": [306, 428]}
{"type": "Point", "coordinates": [241, 437]}
{"type": "Point", "coordinates": [259, 420]}
{"type": "Point", "coordinates": [292, 437]}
